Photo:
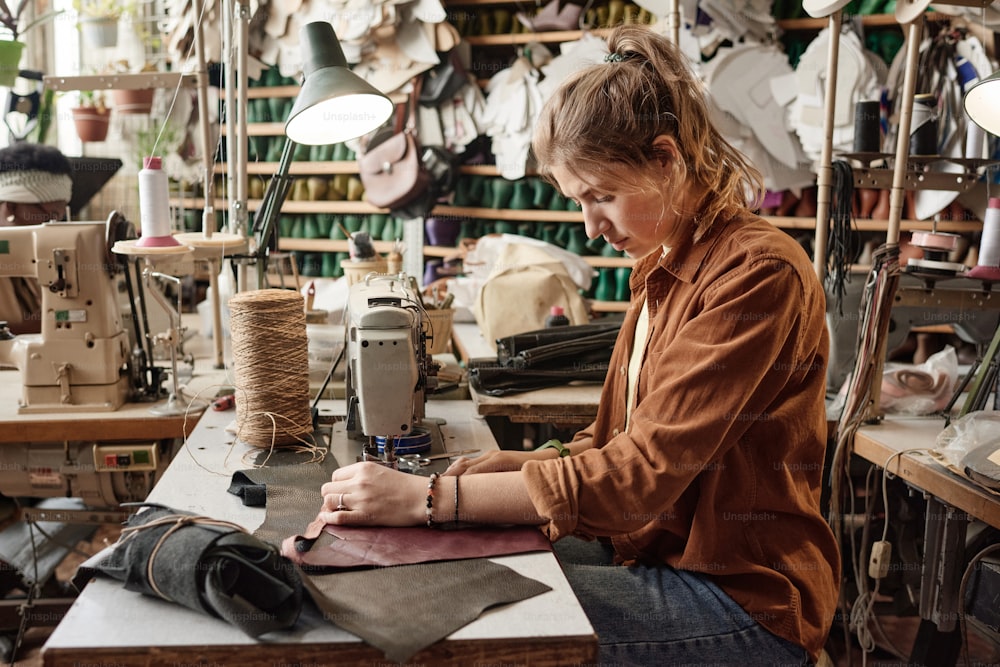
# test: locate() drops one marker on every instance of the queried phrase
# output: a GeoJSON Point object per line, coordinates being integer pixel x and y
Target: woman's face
{"type": "Point", "coordinates": [636, 222]}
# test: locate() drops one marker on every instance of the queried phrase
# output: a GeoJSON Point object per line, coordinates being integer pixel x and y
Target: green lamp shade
{"type": "Point", "coordinates": [334, 104]}
{"type": "Point", "coordinates": [982, 103]}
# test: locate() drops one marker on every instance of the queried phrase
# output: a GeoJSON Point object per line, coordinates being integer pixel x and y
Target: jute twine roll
{"type": "Point", "coordinates": [270, 367]}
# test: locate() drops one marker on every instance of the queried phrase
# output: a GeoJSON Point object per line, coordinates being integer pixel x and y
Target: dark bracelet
{"type": "Point", "coordinates": [456, 500]}
{"type": "Point", "coordinates": [430, 499]}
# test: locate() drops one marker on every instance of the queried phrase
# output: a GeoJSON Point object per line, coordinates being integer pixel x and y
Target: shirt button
{"type": "Point", "coordinates": [624, 370]}
{"type": "Point", "coordinates": [615, 432]}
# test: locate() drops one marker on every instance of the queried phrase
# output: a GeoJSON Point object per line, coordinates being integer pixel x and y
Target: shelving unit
{"type": "Point", "coordinates": [485, 214]}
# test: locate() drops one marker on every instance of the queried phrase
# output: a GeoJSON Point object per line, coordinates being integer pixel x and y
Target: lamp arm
{"type": "Point", "coordinates": [274, 197]}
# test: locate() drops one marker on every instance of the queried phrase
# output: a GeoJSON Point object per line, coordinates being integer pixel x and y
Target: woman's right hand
{"type": "Point", "coordinates": [497, 461]}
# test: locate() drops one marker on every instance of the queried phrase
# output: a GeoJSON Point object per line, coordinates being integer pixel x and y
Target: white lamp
{"type": "Point", "coordinates": [334, 105]}
{"type": "Point", "coordinates": [982, 103]}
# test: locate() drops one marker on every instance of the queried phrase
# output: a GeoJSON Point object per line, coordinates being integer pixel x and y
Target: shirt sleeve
{"type": "Point", "coordinates": [725, 369]}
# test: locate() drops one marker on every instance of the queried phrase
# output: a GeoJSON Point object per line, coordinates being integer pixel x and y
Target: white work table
{"type": "Point", "coordinates": [109, 625]}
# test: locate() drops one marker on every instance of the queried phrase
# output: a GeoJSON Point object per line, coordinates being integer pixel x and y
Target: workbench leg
{"type": "Point", "coordinates": [938, 639]}
{"type": "Point", "coordinates": [507, 434]}
{"type": "Point", "coordinates": [934, 648]}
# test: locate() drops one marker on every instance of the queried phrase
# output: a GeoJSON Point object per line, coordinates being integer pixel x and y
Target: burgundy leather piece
{"type": "Point", "coordinates": [364, 546]}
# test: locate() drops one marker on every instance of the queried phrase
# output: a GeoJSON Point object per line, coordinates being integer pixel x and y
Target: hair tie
{"type": "Point", "coordinates": [614, 57]}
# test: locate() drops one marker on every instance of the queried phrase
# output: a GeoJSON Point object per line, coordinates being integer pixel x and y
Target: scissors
{"type": "Point", "coordinates": [420, 461]}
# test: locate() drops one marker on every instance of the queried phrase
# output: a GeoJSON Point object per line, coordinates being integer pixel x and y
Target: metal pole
{"type": "Point", "coordinates": [208, 187]}
{"type": "Point", "coordinates": [898, 192]}
{"type": "Point", "coordinates": [824, 173]}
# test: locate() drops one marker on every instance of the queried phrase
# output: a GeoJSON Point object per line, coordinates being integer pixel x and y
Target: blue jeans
{"type": "Point", "coordinates": [665, 617]}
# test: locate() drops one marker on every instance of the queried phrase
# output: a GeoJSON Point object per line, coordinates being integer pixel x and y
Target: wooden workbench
{"type": "Point", "coordinates": [109, 625]}
{"type": "Point", "coordinates": [883, 444]}
{"type": "Point", "coordinates": [901, 446]}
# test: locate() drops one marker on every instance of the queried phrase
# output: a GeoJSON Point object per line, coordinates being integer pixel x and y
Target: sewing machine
{"type": "Point", "coordinates": [88, 360]}
{"type": "Point", "coordinates": [388, 370]}
{"type": "Point", "coordinates": [966, 305]}
{"type": "Point", "coordinates": [78, 361]}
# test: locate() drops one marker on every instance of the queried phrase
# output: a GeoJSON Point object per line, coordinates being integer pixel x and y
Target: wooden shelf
{"type": "Point", "coordinates": [257, 92]}
{"type": "Point", "coordinates": [138, 81]}
{"type": "Point", "coordinates": [532, 215]}
{"type": "Point", "coordinates": [869, 21]}
{"type": "Point", "coordinates": [866, 225]}
{"type": "Point", "coordinates": [341, 245]}
{"type": "Point", "coordinates": [553, 37]}
{"type": "Point", "coordinates": [609, 306]}
{"type": "Point", "coordinates": [295, 168]}
{"type": "Point", "coordinates": [290, 206]}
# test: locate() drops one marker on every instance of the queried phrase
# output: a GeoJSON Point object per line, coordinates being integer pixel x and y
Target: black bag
{"type": "Point", "coordinates": [546, 358]}
{"type": "Point", "coordinates": [443, 81]}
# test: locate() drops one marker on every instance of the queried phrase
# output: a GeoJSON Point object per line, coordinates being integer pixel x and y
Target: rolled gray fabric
{"type": "Point", "coordinates": [207, 565]}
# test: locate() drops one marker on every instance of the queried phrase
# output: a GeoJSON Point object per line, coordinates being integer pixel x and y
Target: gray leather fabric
{"type": "Point", "coordinates": [406, 608]}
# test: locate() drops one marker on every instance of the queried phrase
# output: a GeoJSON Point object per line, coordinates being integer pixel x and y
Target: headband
{"type": "Point", "coordinates": [614, 57]}
{"type": "Point", "coordinates": [34, 187]}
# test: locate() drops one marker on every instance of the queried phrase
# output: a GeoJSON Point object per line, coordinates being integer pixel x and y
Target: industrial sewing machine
{"type": "Point", "coordinates": [78, 361]}
{"type": "Point", "coordinates": [388, 370]}
{"type": "Point", "coordinates": [969, 307]}
{"type": "Point", "coordinates": [83, 360]}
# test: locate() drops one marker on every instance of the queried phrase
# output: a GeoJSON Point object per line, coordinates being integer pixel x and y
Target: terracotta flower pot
{"type": "Point", "coordinates": [133, 101]}
{"type": "Point", "coordinates": [91, 123]}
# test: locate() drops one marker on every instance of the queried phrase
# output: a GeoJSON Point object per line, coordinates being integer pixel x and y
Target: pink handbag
{"type": "Point", "coordinates": [390, 167]}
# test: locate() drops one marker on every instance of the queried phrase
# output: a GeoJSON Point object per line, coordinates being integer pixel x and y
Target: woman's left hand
{"type": "Point", "coordinates": [371, 494]}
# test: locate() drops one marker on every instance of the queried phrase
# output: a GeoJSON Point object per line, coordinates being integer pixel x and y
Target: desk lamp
{"type": "Point", "coordinates": [334, 105]}
{"type": "Point", "coordinates": [982, 102]}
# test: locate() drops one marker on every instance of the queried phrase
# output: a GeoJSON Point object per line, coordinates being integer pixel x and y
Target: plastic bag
{"type": "Point", "coordinates": [967, 434]}
{"type": "Point", "coordinates": [920, 389]}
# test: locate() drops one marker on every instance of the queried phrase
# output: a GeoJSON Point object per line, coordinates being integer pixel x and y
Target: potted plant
{"type": "Point", "coordinates": [98, 19]}
{"type": "Point", "coordinates": [132, 100]}
{"type": "Point", "coordinates": [91, 116]}
{"type": "Point", "coordinates": [11, 47]}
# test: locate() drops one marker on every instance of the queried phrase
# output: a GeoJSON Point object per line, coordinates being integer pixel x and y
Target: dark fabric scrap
{"type": "Point", "coordinates": [402, 610]}
{"type": "Point", "coordinates": [208, 566]}
{"type": "Point", "coordinates": [290, 490]}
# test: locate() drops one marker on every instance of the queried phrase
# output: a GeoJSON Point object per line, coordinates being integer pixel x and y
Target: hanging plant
{"type": "Point", "coordinates": [91, 116]}
{"type": "Point", "coordinates": [98, 20]}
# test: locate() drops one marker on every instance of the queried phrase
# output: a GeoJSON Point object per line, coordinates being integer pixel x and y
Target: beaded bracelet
{"type": "Point", "coordinates": [456, 500]}
{"type": "Point", "coordinates": [430, 499]}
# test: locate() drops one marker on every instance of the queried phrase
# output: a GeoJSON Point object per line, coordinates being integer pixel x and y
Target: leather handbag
{"type": "Point", "coordinates": [390, 166]}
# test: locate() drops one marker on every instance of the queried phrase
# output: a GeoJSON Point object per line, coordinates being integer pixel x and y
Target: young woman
{"type": "Point", "coordinates": [700, 478]}
{"type": "Point", "coordinates": [35, 187]}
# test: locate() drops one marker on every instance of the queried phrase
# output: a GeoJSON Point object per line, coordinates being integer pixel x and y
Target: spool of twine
{"type": "Point", "coordinates": [270, 367]}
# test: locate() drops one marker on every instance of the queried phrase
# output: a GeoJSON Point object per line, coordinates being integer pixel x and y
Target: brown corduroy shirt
{"type": "Point", "coordinates": [719, 470]}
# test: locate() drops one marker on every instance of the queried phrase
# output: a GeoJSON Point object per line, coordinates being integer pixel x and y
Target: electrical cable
{"type": "Point", "coordinates": [840, 250]}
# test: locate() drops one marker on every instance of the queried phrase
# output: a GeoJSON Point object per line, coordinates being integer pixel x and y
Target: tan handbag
{"type": "Point", "coordinates": [519, 292]}
{"type": "Point", "coordinates": [390, 166]}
